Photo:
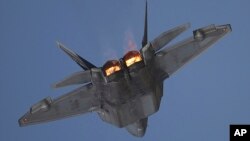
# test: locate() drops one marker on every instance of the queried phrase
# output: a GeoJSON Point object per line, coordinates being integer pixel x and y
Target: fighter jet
{"type": "Point", "coordinates": [127, 91]}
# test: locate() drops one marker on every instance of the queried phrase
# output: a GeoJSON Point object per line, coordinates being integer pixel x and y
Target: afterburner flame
{"type": "Point", "coordinates": [111, 67]}
{"type": "Point", "coordinates": [132, 57]}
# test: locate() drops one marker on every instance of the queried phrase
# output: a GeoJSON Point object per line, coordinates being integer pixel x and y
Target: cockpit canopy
{"type": "Point", "coordinates": [111, 67]}
{"type": "Point", "coordinates": [132, 57]}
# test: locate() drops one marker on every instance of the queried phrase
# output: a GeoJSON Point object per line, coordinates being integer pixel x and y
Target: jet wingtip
{"type": "Point", "coordinates": [229, 27]}
{"type": "Point", "coordinates": [21, 122]}
{"type": "Point", "coordinates": [59, 45]}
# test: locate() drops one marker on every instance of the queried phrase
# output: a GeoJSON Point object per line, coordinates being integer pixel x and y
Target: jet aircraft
{"type": "Point", "coordinates": [127, 91]}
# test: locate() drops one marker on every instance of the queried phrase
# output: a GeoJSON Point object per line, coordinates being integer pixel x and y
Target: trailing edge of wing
{"type": "Point", "coordinates": [168, 36]}
{"type": "Point", "coordinates": [78, 59]}
{"type": "Point", "coordinates": [76, 78]}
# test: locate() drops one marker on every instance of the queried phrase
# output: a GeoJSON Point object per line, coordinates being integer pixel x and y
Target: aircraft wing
{"type": "Point", "coordinates": [172, 58]}
{"type": "Point", "coordinates": [77, 102]}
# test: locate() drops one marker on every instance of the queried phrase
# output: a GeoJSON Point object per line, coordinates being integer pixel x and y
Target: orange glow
{"type": "Point", "coordinates": [133, 60]}
{"type": "Point", "coordinates": [111, 67]}
{"type": "Point", "coordinates": [129, 42]}
{"type": "Point", "coordinates": [112, 70]}
{"type": "Point", "coordinates": [132, 57]}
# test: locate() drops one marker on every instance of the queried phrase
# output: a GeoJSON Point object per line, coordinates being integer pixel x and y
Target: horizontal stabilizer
{"type": "Point", "coordinates": [78, 59]}
{"type": "Point", "coordinates": [168, 36]}
{"type": "Point", "coordinates": [76, 78]}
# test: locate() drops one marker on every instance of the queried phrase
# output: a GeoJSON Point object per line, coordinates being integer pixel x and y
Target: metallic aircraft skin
{"type": "Point", "coordinates": [125, 93]}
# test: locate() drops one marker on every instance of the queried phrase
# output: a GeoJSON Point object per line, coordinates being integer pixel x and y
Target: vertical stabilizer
{"type": "Point", "coordinates": [86, 65]}
{"type": "Point", "coordinates": [145, 35]}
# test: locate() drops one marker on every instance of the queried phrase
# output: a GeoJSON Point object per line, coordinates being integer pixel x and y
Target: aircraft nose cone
{"type": "Point", "coordinates": [141, 132]}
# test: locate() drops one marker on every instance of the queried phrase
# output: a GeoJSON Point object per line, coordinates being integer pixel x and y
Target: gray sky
{"type": "Point", "coordinates": [200, 100]}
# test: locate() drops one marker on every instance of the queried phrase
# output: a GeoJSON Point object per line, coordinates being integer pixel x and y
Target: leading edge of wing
{"type": "Point", "coordinates": [79, 101]}
{"type": "Point", "coordinates": [172, 58]}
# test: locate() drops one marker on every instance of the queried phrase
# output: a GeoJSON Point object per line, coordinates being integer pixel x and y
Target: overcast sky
{"type": "Point", "coordinates": [199, 102]}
